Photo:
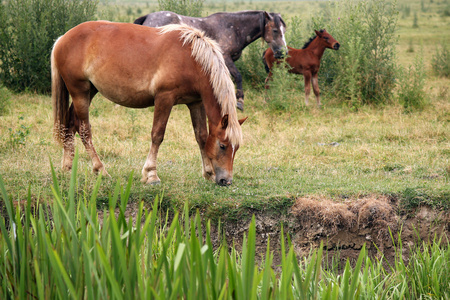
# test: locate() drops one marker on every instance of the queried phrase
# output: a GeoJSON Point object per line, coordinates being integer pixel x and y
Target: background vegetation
{"type": "Point", "coordinates": [28, 29]}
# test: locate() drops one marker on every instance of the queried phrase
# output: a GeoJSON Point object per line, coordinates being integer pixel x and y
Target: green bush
{"type": "Point", "coordinates": [363, 70]}
{"type": "Point", "coordinates": [251, 66]}
{"type": "Point", "coordinates": [28, 29]}
{"type": "Point", "coordinates": [440, 62]}
{"type": "Point", "coordinates": [285, 90]}
{"type": "Point", "coordinates": [366, 32]}
{"type": "Point", "coordinates": [191, 8]}
{"type": "Point", "coordinates": [411, 93]}
{"type": "Point", "coordinates": [5, 95]}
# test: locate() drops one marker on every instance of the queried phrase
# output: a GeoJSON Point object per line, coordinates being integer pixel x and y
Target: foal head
{"type": "Point", "coordinates": [221, 152]}
{"type": "Point", "coordinates": [273, 34]}
{"type": "Point", "coordinates": [327, 39]}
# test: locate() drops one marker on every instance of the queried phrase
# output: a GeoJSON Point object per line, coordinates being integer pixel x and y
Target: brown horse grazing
{"type": "Point", "coordinates": [138, 66]}
{"type": "Point", "coordinates": [233, 31]}
{"type": "Point", "coordinates": [305, 61]}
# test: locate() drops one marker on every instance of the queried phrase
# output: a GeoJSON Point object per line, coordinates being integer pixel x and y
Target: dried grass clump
{"type": "Point", "coordinates": [377, 213]}
{"type": "Point", "coordinates": [370, 212]}
{"type": "Point", "coordinates": [327, 213]}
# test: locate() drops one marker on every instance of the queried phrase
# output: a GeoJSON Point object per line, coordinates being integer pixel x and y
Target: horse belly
{"type": "Point", "coordinates": [129, 92]}
{"type": "Point", "coordinates": [132, 99]}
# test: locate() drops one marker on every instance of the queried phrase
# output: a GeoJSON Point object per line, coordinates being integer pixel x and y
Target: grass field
{"type": "Point", "coordinates": [332, 152]}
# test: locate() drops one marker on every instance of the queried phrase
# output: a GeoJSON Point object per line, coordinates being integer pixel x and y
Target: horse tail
{"type": "Point", "coordinates": [265, 62]}
{"type": "Point", "coordinates": [60, 101]}
{"type": "Point", "coordinates": [140, 20]}
{"type": "Point", "coordinates": [208, 54]}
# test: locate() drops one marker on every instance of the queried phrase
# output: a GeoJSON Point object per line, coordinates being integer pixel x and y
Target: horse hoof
{"type": "Point", "coordinates": [154, 180]}
{"type": "Point", "coordinates": [101, 171]}
{"type": "Point", "coordinates": [240, 104]}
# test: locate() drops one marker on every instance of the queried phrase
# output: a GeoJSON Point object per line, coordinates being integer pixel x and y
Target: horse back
{"type": "Point", "coordinates": [128, 64]}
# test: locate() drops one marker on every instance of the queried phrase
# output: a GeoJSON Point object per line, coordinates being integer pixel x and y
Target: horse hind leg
{"type": "Point", "coordinates": [307, 77]}
{"type": "Point", "coordinates": [83, 127]}
{"type": "Point", "coordinates": [315, 84]}
{"type": "Point", "coordinates": [68, 138]}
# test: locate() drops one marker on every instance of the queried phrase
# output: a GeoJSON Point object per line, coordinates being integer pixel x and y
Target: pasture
{"type": "Point", "coordinates": [332, 155]}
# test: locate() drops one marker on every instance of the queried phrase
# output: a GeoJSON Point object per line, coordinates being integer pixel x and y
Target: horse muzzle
{"type": "Point", "coordinates": [336, 46]}
{"type": "Point", "coordinates": [223, 178]}
{"type": "Point", "coordinates": [279, 54]}
{"type": "Point", "coordinates": [224, 182]}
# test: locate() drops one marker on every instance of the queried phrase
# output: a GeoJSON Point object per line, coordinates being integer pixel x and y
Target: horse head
{"type": "Point", "coordinates": [273, 34]}
{"type": "Point", "coordinates": [221, 152]}
{"type": "Point", "coordinates": [329, 41]}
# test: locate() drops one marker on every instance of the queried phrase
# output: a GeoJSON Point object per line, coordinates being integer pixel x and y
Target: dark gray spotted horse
{"type": "Point", "coordinates": [233, 32]}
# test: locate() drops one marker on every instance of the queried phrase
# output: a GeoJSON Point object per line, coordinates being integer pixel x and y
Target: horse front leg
{"type": "Point", "coordinates": [161, 115]}
{"type": "Point", "coordinates": [315, 84]}
{"type": "Point", "coordinates": [238, 80]}
{"type": "Point", "coordinates": [307, 76]}
{"type": "Point", "coordinates": [198, 117]}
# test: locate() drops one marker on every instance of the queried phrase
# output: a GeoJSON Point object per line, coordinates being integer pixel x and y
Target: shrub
{"type": "Point", "coordinates": [251, 66]}
{"type": "Point", "coordinates": [440, 63]}
{"type": "Point", "coordinates": [5, 95]}
{"type": "Point", "coordinates": [363, 71]}
{"type": "Point", "coordinates": [28, 29]}
{"type": "Point", "coordinates": [191, 8]}
{"type": "Point", "coordinates": [366, 32]}
{"type": "Point", "coordinates": [411, 92]}
{"type": "Point", "coordinates": [283, 94]}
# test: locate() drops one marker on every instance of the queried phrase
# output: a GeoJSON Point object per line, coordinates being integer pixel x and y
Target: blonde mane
{"type": "Point", "coordinates": [208, 54]}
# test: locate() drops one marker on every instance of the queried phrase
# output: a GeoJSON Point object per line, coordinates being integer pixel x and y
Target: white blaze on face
{"type": "Point", "coordinates": [283, 30]}
{"type": "Point", "coordinates": [233, 151]}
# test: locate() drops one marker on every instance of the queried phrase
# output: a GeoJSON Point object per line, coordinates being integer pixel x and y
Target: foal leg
{"type": "Point", "coordinates": [307, 76]}
{"type": "Point", "coordinates": [163, 108]}
{"type": "Point", "coordinates": [315, 84]}
{"type": "Point", "coordinates": [198, 117]}
{"type": "Point", "coordinates": [266, 82]}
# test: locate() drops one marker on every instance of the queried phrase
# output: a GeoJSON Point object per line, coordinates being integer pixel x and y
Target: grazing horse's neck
{"type": "Point", "coordinates": [250, 24]}
{"type": "Point", "coordinates": [212, 108]}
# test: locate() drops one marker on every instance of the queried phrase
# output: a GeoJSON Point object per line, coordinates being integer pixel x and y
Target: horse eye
{"type": "Point", "coordinates": [275, 31]}
{"type": "Point", "coordinates": [222, 146]}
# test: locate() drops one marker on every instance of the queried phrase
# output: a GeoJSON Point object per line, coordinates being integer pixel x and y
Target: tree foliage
{"type": "Point", "coordinates": [28, 29]}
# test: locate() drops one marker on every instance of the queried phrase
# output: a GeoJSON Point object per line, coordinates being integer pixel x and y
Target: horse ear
{"type": "Point", "coordinates": [242, 120]}
{"type": "Point", "coordinates": [267, 15]}
{"type": "Point", "coordinates": [224, 122]}
{"type": "Point", "coordinates": [318, 33]}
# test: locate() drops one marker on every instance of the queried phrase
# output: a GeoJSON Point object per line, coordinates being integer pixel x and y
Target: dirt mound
{"type": "Point", "coordinates": [344, 227]}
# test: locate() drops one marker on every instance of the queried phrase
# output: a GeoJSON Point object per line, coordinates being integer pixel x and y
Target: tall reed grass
{"type": "Point", "coordinates": [61, 249]}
